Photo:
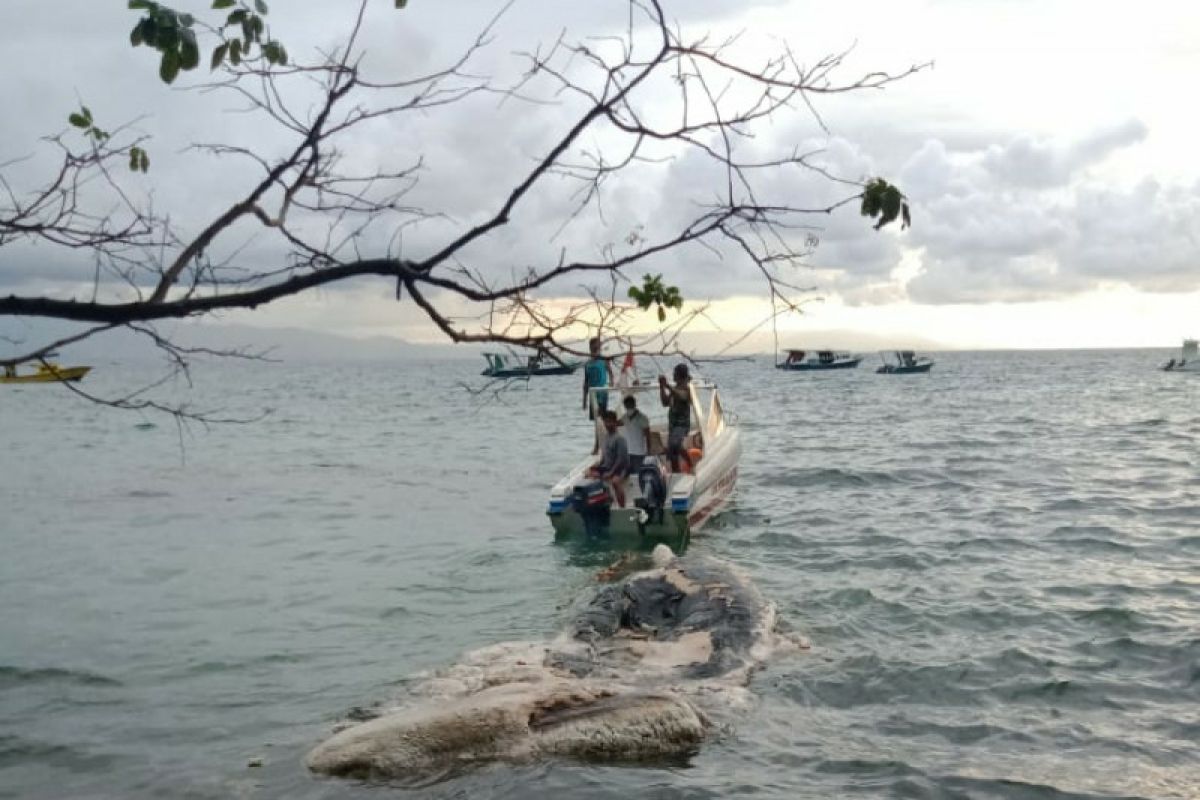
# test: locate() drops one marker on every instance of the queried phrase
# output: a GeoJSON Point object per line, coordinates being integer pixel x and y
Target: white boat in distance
{"type": "Point", "coordinates": [661, 506]}
{"type": "Point", "coordinates": [1189, 358]}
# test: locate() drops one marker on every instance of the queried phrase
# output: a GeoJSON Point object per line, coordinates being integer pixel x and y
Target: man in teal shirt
{"type": "Point", "coordinates": [596, 374]}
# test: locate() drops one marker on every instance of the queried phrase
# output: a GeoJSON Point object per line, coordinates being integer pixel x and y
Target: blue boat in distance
{"type": "Point", "coordinates": [502, 365]}
{"type": "Point", "coordinates": [818, 359]}
{"type": "Point", "coordinates": [904, 362]}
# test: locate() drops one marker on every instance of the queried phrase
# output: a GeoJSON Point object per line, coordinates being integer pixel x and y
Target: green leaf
{"type": "Point", "coordinates": [167, 39]}
{"type": "Point", "coordinates": [189, 55]}
{"type": "Point", "coordinates": [168, 68]}
{"type": "Point", "coordinates": [260, 6]}
{"type": "Point", "coordinates": [235, 52]}
{"type": "Point", "coordinates": [78, 121]}
{"type": "Point", "coordinates": [139, 161]}
{"type": "Point", "coordinates": [274, 52]}
{"type": "Point", "coordinates": [401, 3]}
{"type": "Point", "coordinates": [218, 56]}
{"type": "Point", "coordinates": [219, 4]}
{"type": "Point", "coordinates": [87, 113]}
{"type": "Point", "coordinates": [135, 35]}
{"type": "Point", "coordinates": [662, 314]}
{"type": "Point", "coordinates": [149, 31]}
{"type": "Point", "coordinates": [139, 5]}
{"type": "Point", "coordinates": [186, 20]}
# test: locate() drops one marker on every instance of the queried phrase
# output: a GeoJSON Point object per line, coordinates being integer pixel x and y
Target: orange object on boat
{"type": "Point", "coordinates": [694, 456]}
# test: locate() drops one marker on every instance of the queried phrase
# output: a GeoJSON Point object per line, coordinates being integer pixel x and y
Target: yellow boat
{"type": "Point", "coordinates": [46, 372]}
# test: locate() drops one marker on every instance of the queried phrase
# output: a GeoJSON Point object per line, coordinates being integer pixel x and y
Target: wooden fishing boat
{"type": "Point", "coordinates": [903, 362]}
{"type": "Point", "coordinates": [507, 365]}
{"type": "Point", "coordinates": [805, 360]}
{"type": "Point", "coordinates": [46, 372]}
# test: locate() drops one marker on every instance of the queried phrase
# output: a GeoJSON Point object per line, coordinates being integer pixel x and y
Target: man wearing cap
{"type": "Point", "coordinates": [614, 461]}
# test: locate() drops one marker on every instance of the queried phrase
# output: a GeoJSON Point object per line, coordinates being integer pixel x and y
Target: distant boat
{"type": "Point", "coordinates": [46, 372]}
{"type": "Point", "coordinates": [502, 365]}
{"type": "Point", "coordinates": [903, 362]}
{"type": "Point", "coordinates": [819, 359]}
{"type": "Point", "coordinates": [1188, 361]}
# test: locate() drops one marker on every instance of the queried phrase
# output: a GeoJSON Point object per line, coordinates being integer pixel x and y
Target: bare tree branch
{"type": "Point", "coordinates": [325, 222]}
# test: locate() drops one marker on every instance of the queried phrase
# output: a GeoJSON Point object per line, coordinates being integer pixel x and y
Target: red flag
{"type": "Point", "coordinates": [627, 375]}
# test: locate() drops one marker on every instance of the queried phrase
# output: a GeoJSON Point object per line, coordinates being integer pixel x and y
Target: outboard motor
{"type": "Point", "coordinates": [593, 504]}
{"type": "Point", "coordinates": [654, 493]}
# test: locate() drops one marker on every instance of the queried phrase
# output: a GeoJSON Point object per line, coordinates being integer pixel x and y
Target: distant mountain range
{"type": "Point", "coordinates": [300, 345]}
{"type": "Point", "coordinates": [284, 344]}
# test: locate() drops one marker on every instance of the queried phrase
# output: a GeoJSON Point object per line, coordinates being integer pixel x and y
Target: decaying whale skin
{"type": "Point", "coordinates": [514, 722]}
{"type": "Point", "coordinates": [629, 679]}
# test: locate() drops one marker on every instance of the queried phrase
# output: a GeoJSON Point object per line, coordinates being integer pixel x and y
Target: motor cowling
{"type": "Point", "coordinates": [593, 503]}
{"type": "Point", "coordinates": [654, 491]}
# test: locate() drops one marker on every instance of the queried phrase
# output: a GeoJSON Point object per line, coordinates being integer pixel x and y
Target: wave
{"type": "Point", "coordinates": [12, 677]}
{"type": "Point", "coordinates": [19, 751]}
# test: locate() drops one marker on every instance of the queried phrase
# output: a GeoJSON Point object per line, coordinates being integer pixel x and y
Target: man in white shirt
{"type": "Point", "coordinates": [635, 427]}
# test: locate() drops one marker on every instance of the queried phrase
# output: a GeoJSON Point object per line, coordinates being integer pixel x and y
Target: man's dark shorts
{"type": "Point", "coordinates": [675, 439]}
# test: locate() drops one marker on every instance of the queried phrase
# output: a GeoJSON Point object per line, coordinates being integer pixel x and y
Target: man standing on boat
{"type": "Point", "coordinates": [614, 465]}
{"type": "Point", "coordinates": [678, 401]}
{"type": "Point", "coordinates": [635, 427]}
{"type": "Point", "coordinates": [597, 374]}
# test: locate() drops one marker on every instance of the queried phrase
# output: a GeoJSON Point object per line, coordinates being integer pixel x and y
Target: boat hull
{"type": "Point", "coordinates": [529, 373]}
{"type": "Point", "coordinates": [56, 375]}
{"type": "Point", "coordinates": [906, 370]}
{"type": "Point", "coordinates": [806, 367]}
{"type": "Point", "coordinates": [692, 501]}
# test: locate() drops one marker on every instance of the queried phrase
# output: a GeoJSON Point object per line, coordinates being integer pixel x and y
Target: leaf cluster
{"type": "Point", "coordinates": [653, 292]}
{"type": "Point", "coordinates": [249, 29]}
{"type": "Point", "coordinates": [139, 160]}
{"type": "Point", "coordinates": [885, 201]}
{"type": "Point", "coordinates": [170, 33]}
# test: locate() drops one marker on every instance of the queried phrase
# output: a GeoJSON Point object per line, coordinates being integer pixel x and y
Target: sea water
{"type": "Point", "coordinates": [997, 566]}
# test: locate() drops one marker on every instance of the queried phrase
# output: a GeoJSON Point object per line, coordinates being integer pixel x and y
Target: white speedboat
{"type": "Point", "coordinates": [661, 505]}
{"type": "Point", "coordinates": [1188, 361]}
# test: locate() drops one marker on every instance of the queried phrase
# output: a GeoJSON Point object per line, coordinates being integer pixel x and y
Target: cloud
{"type": "Point", "coordinates": [1031, 163]}
{"type": "Point", "coordinates": [1144, 236]}
{"type": "Point", "coordinates": [1026, 219]}
{"type": "Point", "coordinates": [1000, 214]}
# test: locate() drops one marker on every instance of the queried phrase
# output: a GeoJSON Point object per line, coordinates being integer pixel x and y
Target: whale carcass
{"type": "Point", "coordinates": [634, 677]}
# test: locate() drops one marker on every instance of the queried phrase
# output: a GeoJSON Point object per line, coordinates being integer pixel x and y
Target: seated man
{"type": "Point", "coordinates": [614, 461]}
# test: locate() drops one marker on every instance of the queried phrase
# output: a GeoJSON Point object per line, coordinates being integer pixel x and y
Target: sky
{"type": "Point", "coordinates": [1046, 154]}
